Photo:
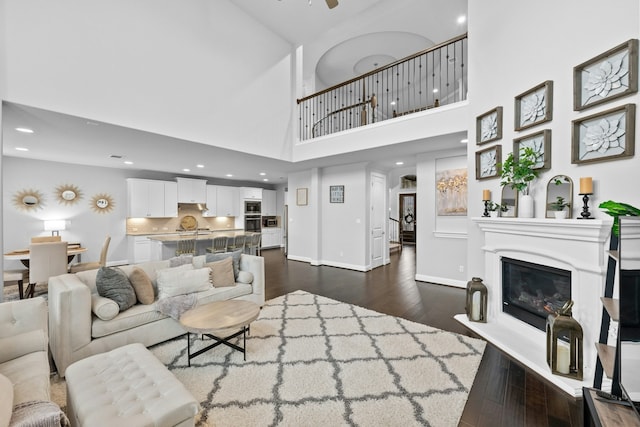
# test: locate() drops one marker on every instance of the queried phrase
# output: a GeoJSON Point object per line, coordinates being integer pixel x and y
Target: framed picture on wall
{"type": "Point", "coordinates": [540, 143]}
{"type": "Point", "coordinates": [610, 75]}
{"type": "Point", "coordinates": [488, 161]}
{"type": "Point", "coordinates": [336, 194]}
{"type": "Point", "coordinates": [609, 135]}
{"type": "Point", "coordinates": [301, 197]}
{"type": "Point", "coordinates": [489, 126]}
{"type": "Point", "coordinates": [534, 106]}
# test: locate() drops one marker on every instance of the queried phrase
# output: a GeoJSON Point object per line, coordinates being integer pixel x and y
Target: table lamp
{"type": "Point", "coordinates": [55, 226]}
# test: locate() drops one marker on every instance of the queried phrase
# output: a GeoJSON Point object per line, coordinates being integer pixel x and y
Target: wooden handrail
{"type": "Point", "coordinates": [377, 70]}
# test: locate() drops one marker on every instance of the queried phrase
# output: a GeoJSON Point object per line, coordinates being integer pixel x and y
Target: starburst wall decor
{"type": "Point", "coordinates": [102, 203]}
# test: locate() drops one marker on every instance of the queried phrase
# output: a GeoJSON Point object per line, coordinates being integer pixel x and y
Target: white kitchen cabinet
{"type": "Point", "coordinates": [269, 203]}
{"type": "Point", "coordinates": [212, 201]}
{"type": "Point", "coordinates": [192, 190]}
{"type": "Point", "coordinates": [139, 249]}
{"type": "Point", "coordinates": [271, 237]}
{"type": "Point", "coordinates": [151, 199]}
{"type": "Point", "coordinates": [251, 193]}
{"type": "Point", "coordinates": [227, 201]}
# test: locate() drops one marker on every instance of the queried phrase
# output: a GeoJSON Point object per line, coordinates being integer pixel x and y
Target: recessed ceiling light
{"type": "Point", "coordinates": [392, 103]}
{"type": "Point", "coordinates": [128, 162]}
{"type": "Point", "coordinates": [22, 149]}
{"type": "Point", "coordinates": [464, 141]}
{"type": "Point", "coordinates": [435, 90]}
{"type": "Point", "coordinates": [186, 170]}
{"type": "Point", "coordinates": [24, 130]}
{"type": "Point", "coordinates": [399, 163]}
{"type": "Point", "coordinates": [262, 174]}
{"type": "Point", "coordinates": [229, 175]}
{"type": "Point", "coordinates": [265, 179]}
{"type": "Point", "coordinates": [199, 166]}
{"type": "Point", "coordinates": [462, 19]}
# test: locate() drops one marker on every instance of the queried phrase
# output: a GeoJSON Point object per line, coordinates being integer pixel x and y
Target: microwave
{"type": "Point", "coordinates": [269, 221]}
{"type": "Point", "coordinates": [252, 207]}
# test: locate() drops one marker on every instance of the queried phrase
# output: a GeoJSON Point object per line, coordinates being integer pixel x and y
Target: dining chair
{"type": "Point", "coordinates": [19, 276]}
{"type": "Point", "coordinates": [84, 266]}
{"type": "Point", "coordinates": [45, 260]}
{"type": "Point", "coordinates": [219, 245]}
{"type": "Point", "coordinates": [187, 244]}
{"type": "Point", "coordinates": [46, 239]}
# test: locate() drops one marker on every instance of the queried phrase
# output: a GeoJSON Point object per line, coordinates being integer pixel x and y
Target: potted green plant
{"type": "Point", "coordinates": [558, 207]}
{"type": "Point", "coordinates": [496, 208]}
{"type": "Point", "coordinates": [518, 174]}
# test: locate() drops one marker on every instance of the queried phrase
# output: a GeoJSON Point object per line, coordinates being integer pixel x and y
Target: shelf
{"type": "Point", "coordinates": [607, 356]}
{"type": "Point", "coordinates": [613, 307]}
{"type": "Point", "coordinates": [609, 414]}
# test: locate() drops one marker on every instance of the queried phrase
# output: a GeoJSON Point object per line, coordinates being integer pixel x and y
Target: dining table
{"type": "Point", "coordinates": [23, 255]}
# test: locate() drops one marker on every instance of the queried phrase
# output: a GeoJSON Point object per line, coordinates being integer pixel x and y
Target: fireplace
{"type": "Point", "coordinates": [530, 291]}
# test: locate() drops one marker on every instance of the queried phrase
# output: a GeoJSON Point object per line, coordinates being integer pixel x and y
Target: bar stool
{"type": "Point", "coordinates": [219, 245]}
{"type": "Point", "coordinates": [237, 244]}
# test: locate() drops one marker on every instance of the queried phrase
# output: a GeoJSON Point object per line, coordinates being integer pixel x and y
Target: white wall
{"type": "Point", "coordinates": [441, 240]}
{"type": "Point", "coordinates": [197, 70]}
{"type": "Point", "coordinates": [507, 57]}
{"type": "Point", "coordinates": [303, 220]}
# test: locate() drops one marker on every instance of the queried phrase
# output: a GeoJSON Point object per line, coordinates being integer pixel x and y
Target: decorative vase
{"type": "Point", "coordinates": [560, 214]}
{"type": "Point", "coordinates": [525, 206]}
{"type": "Point", "coordinates": [494, 214]}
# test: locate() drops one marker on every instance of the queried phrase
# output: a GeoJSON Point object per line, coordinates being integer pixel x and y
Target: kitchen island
{"type": "Point", "coordinates": [203, 238]}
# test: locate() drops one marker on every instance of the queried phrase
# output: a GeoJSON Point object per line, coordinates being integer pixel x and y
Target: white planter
{"type": "Point", "coordinates": [494, 214]}
{"type": "Point", "coordinates": [560, 214]}
{"type": "Point", "coordinates": [525, 206]}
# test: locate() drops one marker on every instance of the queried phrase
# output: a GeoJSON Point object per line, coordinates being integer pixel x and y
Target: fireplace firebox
{"type": "Point", "coordinates": [530, 292]}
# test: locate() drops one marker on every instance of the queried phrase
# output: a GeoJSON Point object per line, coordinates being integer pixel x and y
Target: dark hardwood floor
{"type": "Point", "coordinates": [504, 392]}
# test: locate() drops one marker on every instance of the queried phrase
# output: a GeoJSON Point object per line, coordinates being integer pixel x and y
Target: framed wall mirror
{"type": "Point", "coordinates": [559, 196]}
{"type": "Point", "coordinates": [510, 200]}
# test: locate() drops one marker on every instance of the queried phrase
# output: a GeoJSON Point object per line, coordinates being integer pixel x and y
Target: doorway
{"type": "Point", "coordinates": [407, 214]}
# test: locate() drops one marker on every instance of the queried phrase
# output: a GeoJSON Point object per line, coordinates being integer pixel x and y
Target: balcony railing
{"type": "Point", "coordinates": [428, 79]}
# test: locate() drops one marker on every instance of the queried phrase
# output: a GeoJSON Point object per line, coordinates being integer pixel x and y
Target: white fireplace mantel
{"type": "Point", "coordinates": [578, 246]}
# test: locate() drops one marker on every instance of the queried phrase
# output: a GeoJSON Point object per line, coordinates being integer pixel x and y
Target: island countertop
{"type": "Point", "coordinates": [202, 235]}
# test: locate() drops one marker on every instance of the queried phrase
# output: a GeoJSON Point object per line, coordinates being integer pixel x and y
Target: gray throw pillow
{"type": "Point", "coordinates": [236, 260]}
{"type": "Point", "coordinates": [114, 284]}
{"type": "Point", "coordinates": [177, 261]}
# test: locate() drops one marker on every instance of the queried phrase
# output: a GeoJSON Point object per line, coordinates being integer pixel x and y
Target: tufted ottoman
{"type": "Point", "coordinates": [127, 386]}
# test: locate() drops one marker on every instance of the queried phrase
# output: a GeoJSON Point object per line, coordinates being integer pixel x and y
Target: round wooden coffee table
{"type": "Point", "coordinates": [218, 319]}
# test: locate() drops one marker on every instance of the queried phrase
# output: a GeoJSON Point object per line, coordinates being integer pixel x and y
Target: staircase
{"type": "Point", "coordinates": [395, 236]}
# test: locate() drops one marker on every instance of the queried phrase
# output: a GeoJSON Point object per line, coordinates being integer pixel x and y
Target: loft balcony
{"type": "Point", "coordinates": [429, 79]}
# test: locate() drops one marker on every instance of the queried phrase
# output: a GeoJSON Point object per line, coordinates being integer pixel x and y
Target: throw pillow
{"type": "Point", "coordinates": [6, 400]}
{"type": "Point", "coordinates": [142, 286]}
{"type": "Point", "coordinates": [112, 283]}
{"type": "Point", "coordinates": [177, 261]}
{"type": "Point", "coordinates": [104, 308]}
{"type": "Point", "coordinates": [235, 256]}
{"type": "Point", "coordinates": [245, 277]}
{"type": "Point", "coordinates": [222, 273]}
{"type": "Point", "coordinates": [172, 282]}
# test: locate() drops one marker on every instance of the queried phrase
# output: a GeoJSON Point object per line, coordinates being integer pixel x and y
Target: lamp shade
{"type": "Point", "coordinates": [55, 225]}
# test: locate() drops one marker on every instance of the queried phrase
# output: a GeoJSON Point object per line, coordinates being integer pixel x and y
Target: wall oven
{"type": "Point", "coordinates": [252, 223]}
{"type": "Point", "coordinates": [252, 207]}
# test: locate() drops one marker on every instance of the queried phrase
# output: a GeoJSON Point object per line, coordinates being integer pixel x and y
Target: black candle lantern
{"type": "Point", "coordinates": [564, 343]}
{"type": "Point", "coordinates": [476, 305]}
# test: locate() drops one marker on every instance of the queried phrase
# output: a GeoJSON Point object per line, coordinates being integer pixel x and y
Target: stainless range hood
{"type": "Point", "coordinates": [197, 206]}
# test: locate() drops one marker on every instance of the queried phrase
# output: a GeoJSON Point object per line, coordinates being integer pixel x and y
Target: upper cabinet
{"type": "Point", "coordinates": [212, 201]}
{"type": "Point", "coordinates": [223, 201]}
{"type": "Point", "coordinates": [269, 203]}
{"type": "Point", "coordinates": [251, 193]}
{"type": "Point", "coordinates": [151, 199]}
{"type": "Point", "coordinates": [192, 190]}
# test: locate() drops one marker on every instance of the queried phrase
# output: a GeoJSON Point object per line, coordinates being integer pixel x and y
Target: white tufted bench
{"type": "Point", "coordinates": [127, 386]}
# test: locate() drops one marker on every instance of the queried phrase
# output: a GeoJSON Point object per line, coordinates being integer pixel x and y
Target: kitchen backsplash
{"type": "Point", "coordinates": [170, 225]}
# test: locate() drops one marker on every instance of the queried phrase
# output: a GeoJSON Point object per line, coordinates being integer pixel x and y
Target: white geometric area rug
{"type": "Point", "coordinates": [314, 361]}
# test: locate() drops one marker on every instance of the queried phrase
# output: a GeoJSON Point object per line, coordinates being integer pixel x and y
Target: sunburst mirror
{"type": "Point", "coordinates": [102, 203]}
{"type": "Point", "coordinates": [28, 200]}
{"type": "Point", "coordinates": [68, 194]}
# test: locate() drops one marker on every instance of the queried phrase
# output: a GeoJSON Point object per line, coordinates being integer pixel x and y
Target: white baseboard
{"type": "Point", "coordinates": [441, 281]}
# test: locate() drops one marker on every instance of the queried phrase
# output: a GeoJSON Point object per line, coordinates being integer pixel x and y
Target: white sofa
{"type": "Point", "coordinates": [24, 360]}
{"type": "Point", "coordinates": [75, 332]}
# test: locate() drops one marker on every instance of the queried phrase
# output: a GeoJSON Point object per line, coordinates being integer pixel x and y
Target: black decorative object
{"type": "Point", "coordinates": [476, 305]}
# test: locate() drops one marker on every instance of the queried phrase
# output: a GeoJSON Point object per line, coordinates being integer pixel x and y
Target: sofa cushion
{"type": "Point", "coordinates": [172, 282]}
{"type": "Point", "coordinates": [18, 345]}
{"type": "Point", "coordinates": [222, 294]}
{"type": "Point", "coordinates": [221, 273]}
{"type": "Point", "coordinates": [138, 315]}
{"type": "Point", "coordinates": [104, 308]}
{"type": "Point", "coordinates": [30, 377]}
{"type": "Point", "coordinates": [235, 256]}
{"type": "Point", "coordinates": [114, 284]}
{"type": "Point", "coordinates": [245, 277]}
{"type": "Point", "coordinates": [6, 400]}
{"type": "Point", "coordinates": [177, 261]}
{"type": "Point", "coordinates": [142, 286]}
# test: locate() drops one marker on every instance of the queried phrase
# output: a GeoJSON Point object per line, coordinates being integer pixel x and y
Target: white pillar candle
{"type": "Point", "coordinates": [562, 362]}
{"type": "Point", "coordinates": [475, 306]}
